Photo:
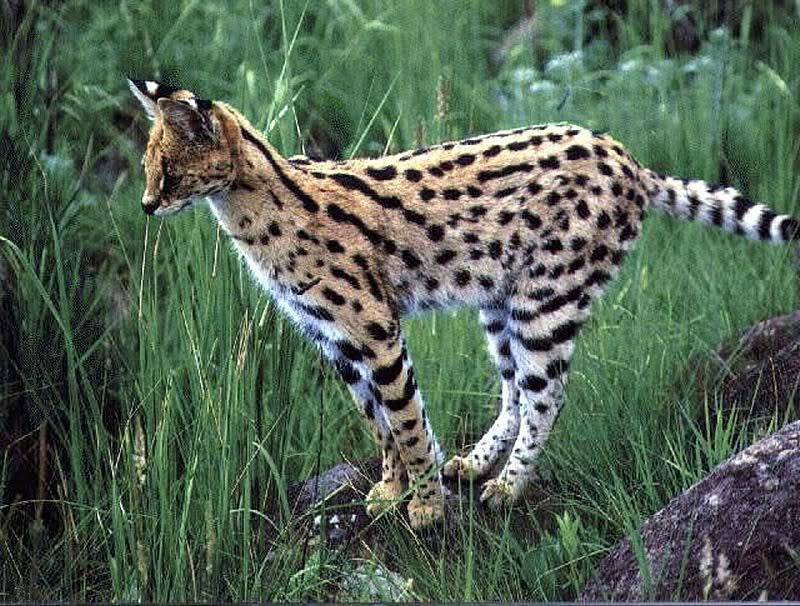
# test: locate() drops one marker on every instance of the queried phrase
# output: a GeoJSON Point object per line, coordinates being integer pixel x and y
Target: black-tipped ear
{"type": "Point", "coordinates": [141, 89]}
{"type": "Point", "coordinates": [184, 118]}
{"type": "Point", "coordinates": [148, 92]}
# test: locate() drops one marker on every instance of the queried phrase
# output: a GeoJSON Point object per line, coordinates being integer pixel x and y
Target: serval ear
{"type": "Point", "coordinates": [186, 118]}
{"type": "Point", "coordinates": [149, 92]}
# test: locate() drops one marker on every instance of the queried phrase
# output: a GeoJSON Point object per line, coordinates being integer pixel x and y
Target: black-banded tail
{"type": "Point", "coordinates": [723, 207]}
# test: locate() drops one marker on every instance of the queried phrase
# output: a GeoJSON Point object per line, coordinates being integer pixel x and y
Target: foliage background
{"type": "Point", "coordinates": [153, 409]}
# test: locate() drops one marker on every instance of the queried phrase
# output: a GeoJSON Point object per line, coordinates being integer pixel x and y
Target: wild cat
{"type": "Point", "coordinates": [528, 225]}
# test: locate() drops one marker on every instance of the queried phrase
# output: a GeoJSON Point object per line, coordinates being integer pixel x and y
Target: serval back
{"type": "Point", "coordinates": [527, 225]}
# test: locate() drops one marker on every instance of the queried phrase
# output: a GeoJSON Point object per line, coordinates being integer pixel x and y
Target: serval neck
{"type": "Point", "coordinates": [256, 210]}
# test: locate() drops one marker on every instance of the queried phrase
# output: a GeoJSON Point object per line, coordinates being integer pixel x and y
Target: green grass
{"type": "Point", "coordinates": [175, 405]}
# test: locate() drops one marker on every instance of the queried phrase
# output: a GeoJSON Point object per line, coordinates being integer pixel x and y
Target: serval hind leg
{"type": "Point", "coordinates": [542, 343]}
{"type": "Point", "coordinates": [496, 443]}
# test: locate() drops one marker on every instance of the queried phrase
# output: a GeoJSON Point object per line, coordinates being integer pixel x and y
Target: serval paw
{"type": "Point", "coordinates": [383, 496]}
{"type": "Point", "coordinates": [423, 513]}
{"type": "Point", "coordinates": [461, 467]}
{"type": "Point", "coordinates": [498, 494]}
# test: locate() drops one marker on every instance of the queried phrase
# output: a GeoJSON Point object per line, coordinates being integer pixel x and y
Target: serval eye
{"type": "Point", "coordinates": [169, 180]}
{"type": "Point", "coordinates": [527, 225]}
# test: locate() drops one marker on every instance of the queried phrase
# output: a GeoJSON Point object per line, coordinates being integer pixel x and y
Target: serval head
{"type": "Point", "coordinates": [189, 155]}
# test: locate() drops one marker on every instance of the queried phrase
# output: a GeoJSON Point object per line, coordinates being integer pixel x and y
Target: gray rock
{"type": "Point", "coordinates": [733, 536]}
{"type": "Point", "coordinates": [339, 485]}
{"type": "Point", "coordinates": [332, 503]}
{"type": "Point", "coordinates": [763, 369]}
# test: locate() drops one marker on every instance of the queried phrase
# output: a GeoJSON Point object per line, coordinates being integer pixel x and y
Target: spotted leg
{"type": "Point", "coordinates": [394, 385]}
{"type": "Point", "coordinates": [387, 492]}
{"type": "Point", "coordinates": [542, 345]}
{"type": "Point", "coordinates": [381, 378]}
{"type": "Point", "coordinates": [495, 444]}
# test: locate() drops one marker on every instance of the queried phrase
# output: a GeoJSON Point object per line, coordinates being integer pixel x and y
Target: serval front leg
{"type": "Point", "coordinates": [395, 388]}
{"type": "Point", "coordinates": [394, 480]}
{"type": "Point", "coordinates": [374, 362]}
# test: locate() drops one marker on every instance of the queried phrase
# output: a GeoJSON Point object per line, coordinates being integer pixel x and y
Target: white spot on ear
{"type": "Point", "coordinates": [192, 103]}
{"type": "Point", "coordinates": [152, 87]}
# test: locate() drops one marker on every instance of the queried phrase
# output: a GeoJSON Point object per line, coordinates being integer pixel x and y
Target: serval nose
{"type": "Point", "coordinates": [149, 203]}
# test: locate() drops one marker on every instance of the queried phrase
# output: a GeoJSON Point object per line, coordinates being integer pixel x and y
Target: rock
{"type": "Point", "coordinates": [333, 504]}
{"type": "Point", "coordinates": [337, 486]}
{"type": "Point", "coordinates": [762, 369]}
{"type": "Point", "coordinates": [336, 499]}
{"type": "Point", "coordinates": [733, 536]}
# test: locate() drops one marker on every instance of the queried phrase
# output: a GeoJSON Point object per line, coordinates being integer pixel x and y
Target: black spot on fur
{"type": "Point", "coordinates": [502, 193]}
{"type": "Point", "coordinates": [376, 331]}
{"type": "Point", "coordinates": [486, 282]}
{"type": "Point", "coordinates": [551, 162]}
{"type": "Point", "coordinates": [565, 332]}
{"type": "Point", "coordinates": [410, 259]}
{"type": "Point", "coordinates": [333, 296]}
{"type": "Point", "coordinates": [338, 272]}
{"type": "Point", "coordinates": [488, 175]}
{"type": "Point", "coordinates": [382, 174]}
{"type": "Point", "coordinates": [462, 277]}
{"type": "Point", "coordinates": [577, 152]}
{"type": "Point", "coordinates": [599, 253]}
{"type": "Point", "coordinates": [533, 383]}
{"type": "Point", "coordinates": [347, 372]}
{"type": "Point", "coordinates": [790, 229]}
{"type": "Point", "coordinates": [553, 246]}
{"type": "Point", "coordinates": [444, 257]}
{"type": "Point", "coordinates": [435, 232]}
{"type": "Point", "coordinates": [350, 351]}
{"type": "Point", "coordinates": [413, 175]}
{"type": "Point", "coordinates": [553, 198]}
{"type": "Point", "coordinates": [504, 217]}
{"type": "Point", "coordinates": [534, 188]}
{"type": "Point", "coordinates": [532, 221]}
{"type": "Point", "coordinates": [334, 246]}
